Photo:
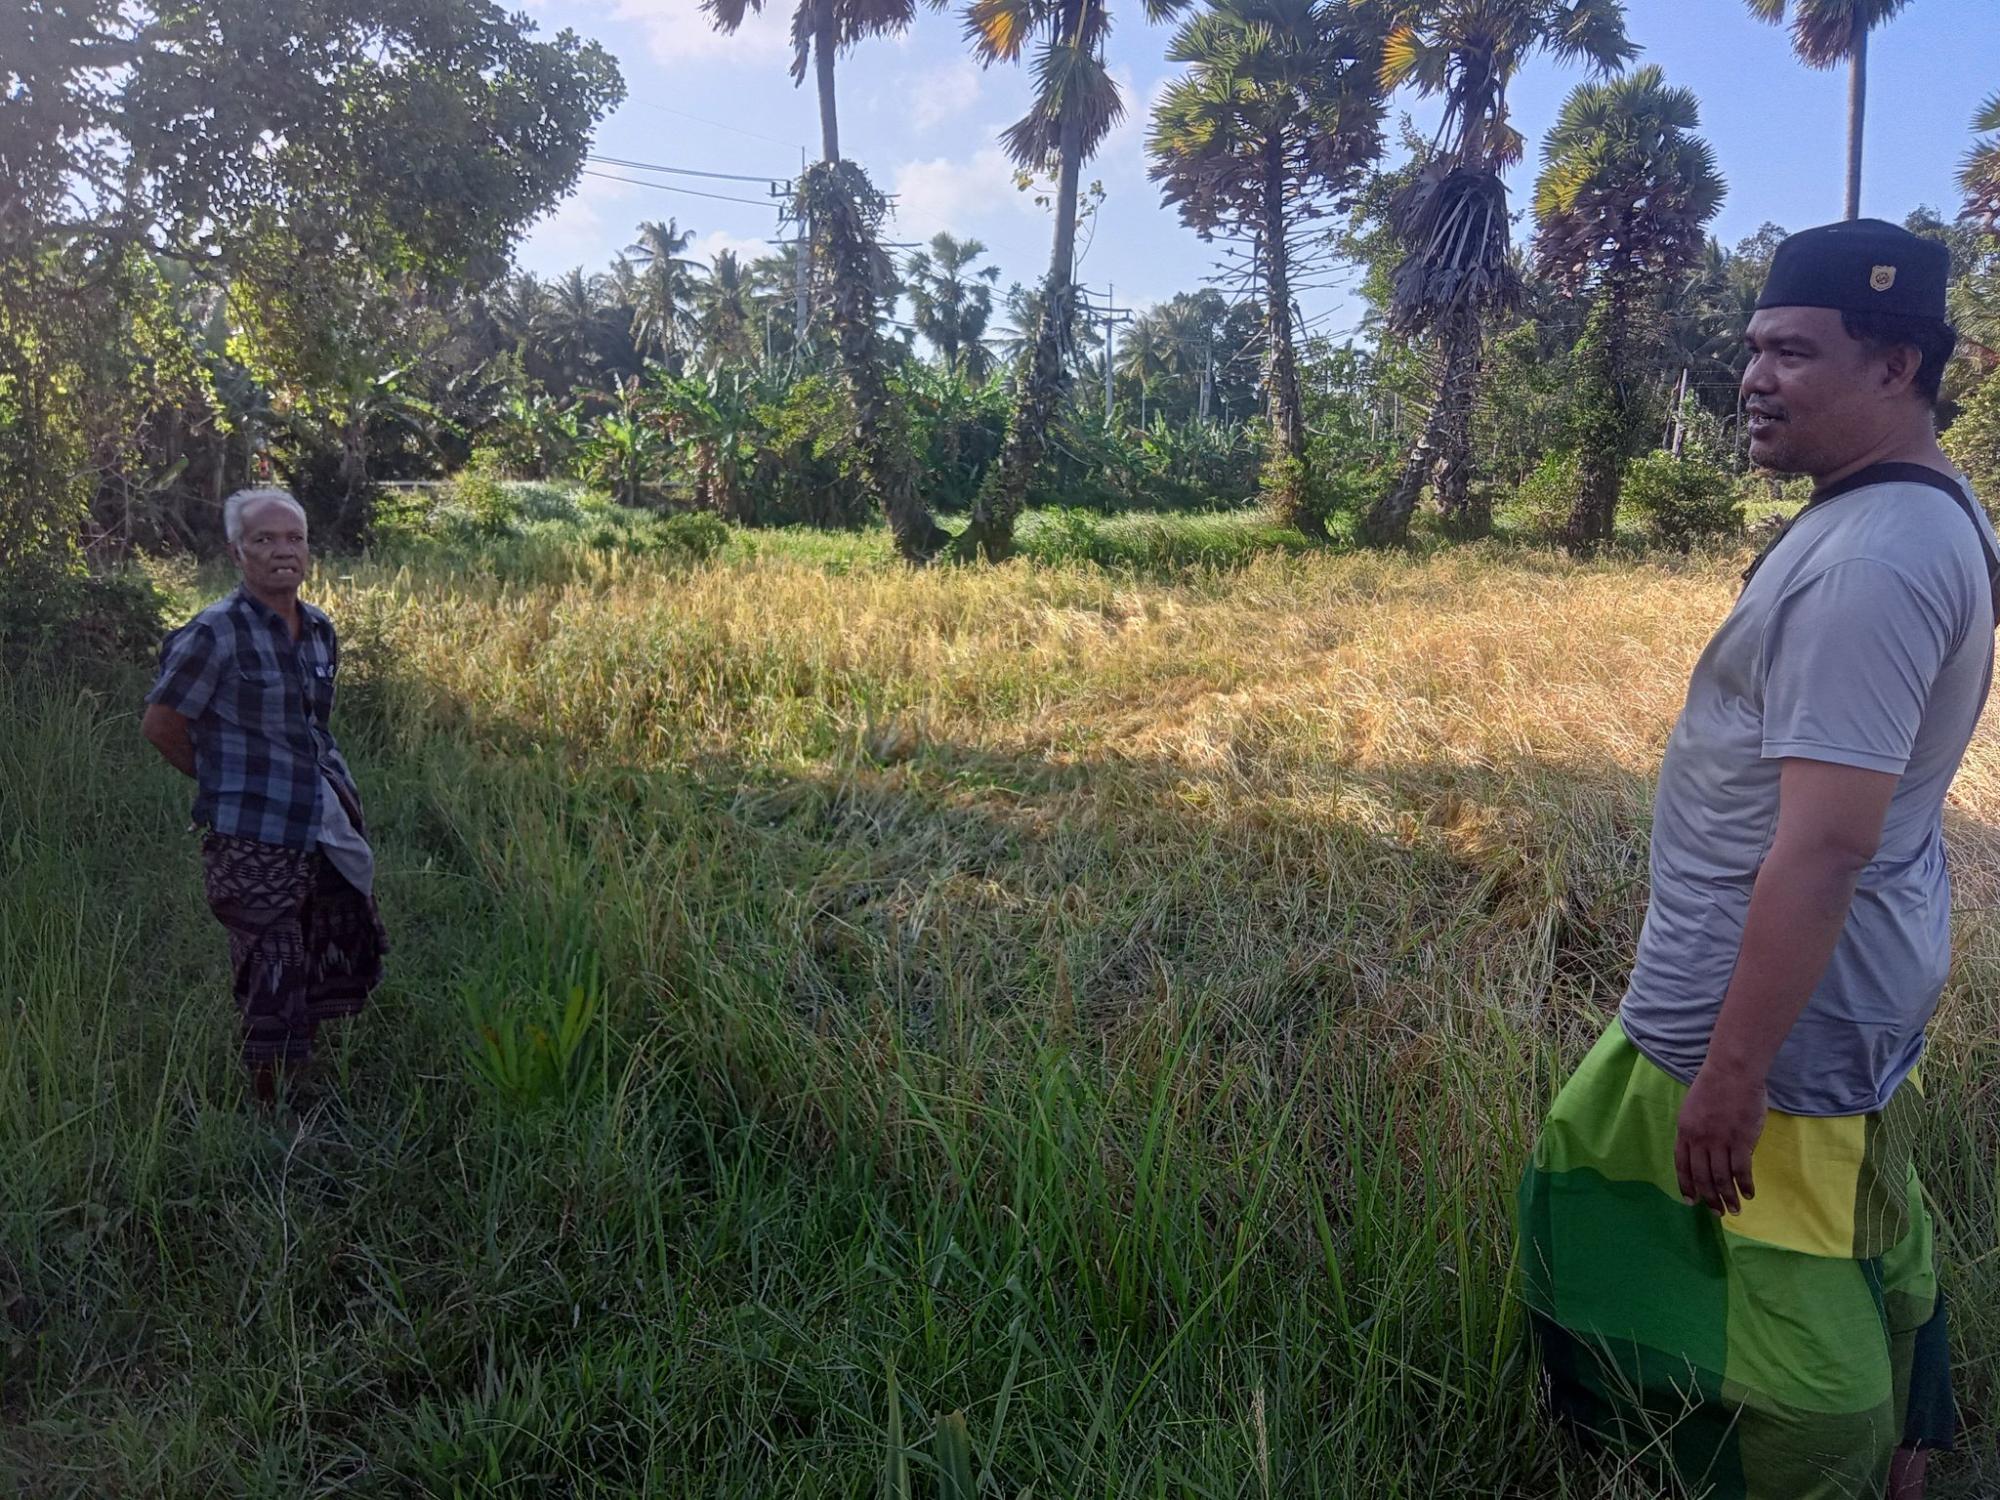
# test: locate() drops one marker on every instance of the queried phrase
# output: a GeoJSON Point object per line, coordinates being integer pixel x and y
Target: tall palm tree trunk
{"type": "Point", "coordinates": [1287, 479]}
{"type": "Point", "coordinates": [835, 191]}
{"type": "Point", "coordinates": [824, 51]}
{"type": "Point", "coordinates": [1387, 523]}
{"type": "Point", "coordinates": [1857, 111]}
{"type": "Point", "coordinates": [1000, 498]}
{"type": "Point", "coordinates": [1465, 514]}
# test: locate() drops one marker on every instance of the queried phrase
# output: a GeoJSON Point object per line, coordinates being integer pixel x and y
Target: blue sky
{"type": "Point", "coordinates": [923, 118]}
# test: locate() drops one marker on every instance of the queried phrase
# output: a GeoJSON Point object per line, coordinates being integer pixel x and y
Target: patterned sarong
{"type": "Point", "coordinates": [304, 945]}
{"type": "Point", "coordinates": [1778, 1354]}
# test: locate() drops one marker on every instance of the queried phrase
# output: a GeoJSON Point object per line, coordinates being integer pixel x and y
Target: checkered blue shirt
{"type": "Point", "coordinates": [257, 705]}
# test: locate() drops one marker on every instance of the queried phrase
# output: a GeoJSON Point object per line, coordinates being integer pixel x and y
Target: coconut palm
{"type": "Point", "coordinates": [1979, 173]}
{"type": "Point", "coordinates": [1624, 195]}
{"type": "Point", "coordinates": [1826, 33]}
{"type": "Point", "coordinates": [1452, 218]}
{"type": "Point", "coordinates": [662, 287]}
{"type": "Point", "coordinates": [571, 326]}
{"type": "Point", "coordinates": [1147, 356]}
{"type": "Point", "coordinates": [722, 312]}
{"type": "Point", "coordinates": [1278, 111]}
{"type": "Point", "coordinates": [1075, 105]}
{"type": "Point", "coordinates": [951, 303]}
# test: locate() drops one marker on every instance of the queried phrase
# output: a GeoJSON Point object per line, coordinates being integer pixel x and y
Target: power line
{"type": "Point", "coordinates": [649, 166]}
{"type": "Point", "coordinates": [666, 187]}
{"type": "Point", "coordinates": [719, 125]}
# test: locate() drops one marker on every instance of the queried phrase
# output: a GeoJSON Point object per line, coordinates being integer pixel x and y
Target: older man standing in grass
{"type": "Point", "coordinates": [1724, 1245]}
{"type": "Point", "coordinates": [242, 705]}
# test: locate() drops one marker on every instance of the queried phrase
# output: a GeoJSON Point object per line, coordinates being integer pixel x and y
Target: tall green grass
{"type": "Point", "coordinates": [862, 1033]}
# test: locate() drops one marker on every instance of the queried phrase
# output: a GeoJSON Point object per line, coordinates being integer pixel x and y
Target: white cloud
{"type": "Point", "coordinates": [942, 93]}
{"type": "Point", "coordinates": [709, 245]}
{"type": "Point", "coordinates": [945, 194]}
{"type": "Point", "coordinates": [584, 229]}
{"type": "Point", "coordinates": [680, 30]}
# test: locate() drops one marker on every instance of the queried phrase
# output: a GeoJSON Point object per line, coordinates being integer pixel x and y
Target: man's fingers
{"type": "Point", "coordinates": [1739, 1166]}
{"type": "Point", "coordinates": [1699, 1187]}
{"type": "Point", "coordinates": [1722, 1181]}
{"type": "Point", "coordinates": [1681, 1173]}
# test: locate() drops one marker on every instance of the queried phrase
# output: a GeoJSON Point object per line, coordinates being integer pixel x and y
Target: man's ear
{"type": "Point", "coordinates": [1900, 363]}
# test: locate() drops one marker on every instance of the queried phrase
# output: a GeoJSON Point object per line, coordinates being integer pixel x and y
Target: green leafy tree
{"type": "Point", "coordinates": [1074, 107]}
{"type": "Point", "coordinates": [1826, 33]}
{"type": "Point", "coordinates": [1625, 191]}
{"type": "Point", "coordinates": [1450, 217]}
{"type": "Point", "coordinates": [1277, 112]}
{"type": "Point", "coordinates": [253, 142]}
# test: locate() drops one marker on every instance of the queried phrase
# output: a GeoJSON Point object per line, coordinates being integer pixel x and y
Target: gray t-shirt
{"type": "Point", "coordinates": [1865, 640]}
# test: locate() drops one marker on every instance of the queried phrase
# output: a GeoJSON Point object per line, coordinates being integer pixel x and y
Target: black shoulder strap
{"type": "Point", "coordinates": [1897, 474]}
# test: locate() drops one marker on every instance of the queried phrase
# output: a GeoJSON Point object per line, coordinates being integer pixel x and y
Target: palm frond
{"type": "Point", "coordinates": [999, 29]}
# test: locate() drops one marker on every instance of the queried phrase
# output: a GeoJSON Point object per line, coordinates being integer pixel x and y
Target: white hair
{"type": "Point", "coordinates": [239, 505]}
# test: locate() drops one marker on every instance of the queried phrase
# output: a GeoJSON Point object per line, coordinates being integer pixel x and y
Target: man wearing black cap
{"type": "Point", "coordinates": [1724, 1246]}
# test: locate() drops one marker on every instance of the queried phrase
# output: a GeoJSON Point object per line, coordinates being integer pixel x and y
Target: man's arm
{"type": "Point", "coordinates": [168, 732]}
{"type": "Point", "coordinates": [1829, 826]}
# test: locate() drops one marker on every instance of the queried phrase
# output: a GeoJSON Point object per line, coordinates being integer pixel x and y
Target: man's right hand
{"type": "Point", "coordinates": [168, 733]}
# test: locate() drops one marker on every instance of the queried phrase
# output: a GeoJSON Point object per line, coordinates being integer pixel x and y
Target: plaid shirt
{"type": "Point", "coordinates": [257, 705]}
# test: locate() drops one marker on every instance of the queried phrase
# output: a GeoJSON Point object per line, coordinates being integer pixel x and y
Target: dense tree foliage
{"type": "Point", "coordinates": [238, 241]}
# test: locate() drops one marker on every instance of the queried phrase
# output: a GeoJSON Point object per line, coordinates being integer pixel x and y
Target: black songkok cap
{"type": "Point", "coordinates": [1860, 265]}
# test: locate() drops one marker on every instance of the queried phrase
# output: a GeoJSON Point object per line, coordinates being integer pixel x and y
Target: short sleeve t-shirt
{"type": "Point", "coordinates": [1865, 639]}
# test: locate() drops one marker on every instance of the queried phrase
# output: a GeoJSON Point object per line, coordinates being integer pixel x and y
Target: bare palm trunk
{"type": "Point", "coordinates": [1287, 480]}
{"type": "Point", "coordinates": [1857, 111]}
{"type": "Point", "coordinates": [824, 49]}
{"type": "Point", "coordinates": [1465, 514]}
{"type": "Point", "coordinates": [999, 501]}
{"type": "Point", "coordinates": [1387, 523]}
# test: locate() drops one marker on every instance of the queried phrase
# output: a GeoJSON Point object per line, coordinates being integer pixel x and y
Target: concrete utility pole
{"type": "Point", "coordinates": [1110, 316]}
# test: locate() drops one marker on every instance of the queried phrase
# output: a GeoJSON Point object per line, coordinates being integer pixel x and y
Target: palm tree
{"type": "Point", "coordinates": [951, 303]}
{"type": "Point", "coordinates": [1278, 110]}
{"type": "Point", "coordinates": [572, 324]}
{"type": "Point", "coordinates": [1076, 103]}
{"type": "Point", "coordinates": [1979, 173]}
{"type": "Point", "coordinates": [1624, 194]}
{"type": "Point", "coordinates": [1453, 216]}
{"type": "Point", "coordinates": [722, 312]}
{"type": "Point", "coordinates": [821, 30]}
{"type": "Point", "coordinates": [663, 282]}
{"type": "Point", "coordinates": [1826, 33]}
{"type": "Point", "coordinates": [1146, 355]}
{"type": "Point", "coordinates": [843, 211]}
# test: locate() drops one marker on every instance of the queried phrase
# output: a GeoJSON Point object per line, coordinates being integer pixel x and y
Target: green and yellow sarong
{"type": "Point", "coordinates": [1778, 1354]}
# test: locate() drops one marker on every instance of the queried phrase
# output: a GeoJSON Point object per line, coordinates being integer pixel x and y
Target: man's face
{"type": "Point", "coordinates": [1814, 399]}
{"type": "Point", "coordinates": [272, 553]}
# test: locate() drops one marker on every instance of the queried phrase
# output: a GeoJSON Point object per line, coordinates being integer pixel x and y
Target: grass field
{"type": "Point", "coordinates": [1043, 1031]}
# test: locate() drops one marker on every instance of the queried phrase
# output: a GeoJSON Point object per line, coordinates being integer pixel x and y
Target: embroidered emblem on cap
{"type": "Point", "coordinates": [1882, 278]}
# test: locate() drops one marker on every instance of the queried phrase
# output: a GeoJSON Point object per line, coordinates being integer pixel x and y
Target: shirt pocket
{"type": "Point", "coordinates": [263, 703]}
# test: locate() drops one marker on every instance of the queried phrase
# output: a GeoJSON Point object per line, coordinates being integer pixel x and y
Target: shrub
{"type": "Point", "coordinates": [808, 471]}
{"type": "Point", "coordinates": [61, 612]}
{"type": "Point", "coordinates": [695, 535]}
{"type": "Point", "coordinates": [1683, 500]}
{"type": "Point", "coordinates": [1973, 440]}
{"type": "Point", "coordinates": [1548, 494]}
